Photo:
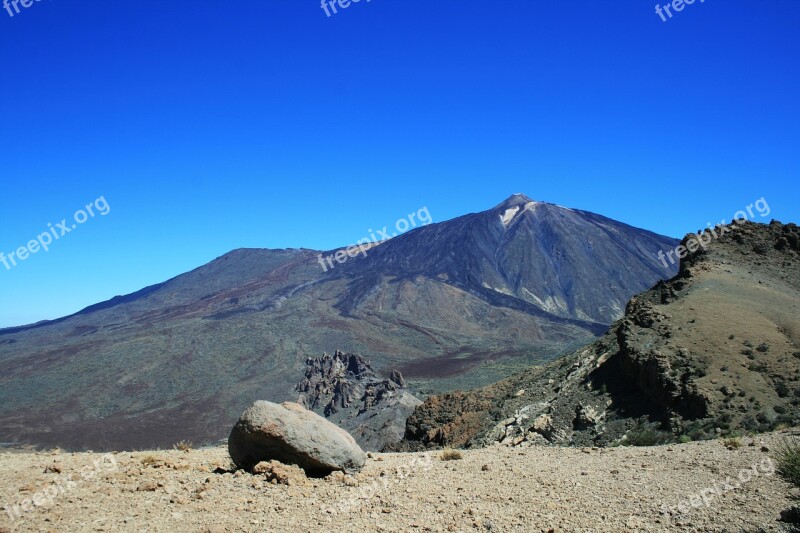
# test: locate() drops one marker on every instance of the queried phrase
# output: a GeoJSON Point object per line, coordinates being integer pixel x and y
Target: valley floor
{"type": "Point", "coordinates": [493, 489]}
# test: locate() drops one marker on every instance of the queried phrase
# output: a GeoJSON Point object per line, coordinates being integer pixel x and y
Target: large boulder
{"type": "Point", "coordinates": [292, 435]}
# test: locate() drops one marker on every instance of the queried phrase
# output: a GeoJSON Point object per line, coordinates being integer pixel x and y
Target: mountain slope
{"type": "Point", "coordinates": [549, 256]}
{"type": "Point", "coordinates": [713, 350]}
{"type": "Point", "coordinates": [454, 304]}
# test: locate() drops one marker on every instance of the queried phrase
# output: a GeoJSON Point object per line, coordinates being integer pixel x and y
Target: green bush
{"type": "Point", "coordinates": [749, 423]}
{"type": "Point", "coordinates": [788, 461]}
{"type": "Point", "coordinates": [733, 442]}
{"type": "Point", "coordinates": [649, 437]}
{"type": "Point", "coordinates": [788, 467]}
{"type": "Point", "coordinates": [643, 434]}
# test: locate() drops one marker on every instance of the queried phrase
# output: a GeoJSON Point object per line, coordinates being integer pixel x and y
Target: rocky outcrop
{"type": "Point", "coordinates": [661, 372]}
{"type": "Point", "coordinates": [345, 389]}
{"type": "Point", "coordinates": [292, 435]}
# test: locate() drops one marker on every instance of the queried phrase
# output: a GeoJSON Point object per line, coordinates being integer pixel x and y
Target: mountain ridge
{"type": "Point", "coordinates": [458, 303]}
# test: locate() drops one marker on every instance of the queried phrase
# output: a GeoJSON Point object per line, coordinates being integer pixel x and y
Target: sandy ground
{"type": "Point", "coordinates": [494, 489]}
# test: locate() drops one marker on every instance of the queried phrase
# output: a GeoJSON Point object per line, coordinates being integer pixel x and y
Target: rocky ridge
{"type": "Point", "coordinates": [715, 350]}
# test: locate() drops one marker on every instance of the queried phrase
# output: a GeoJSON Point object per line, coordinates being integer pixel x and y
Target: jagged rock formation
{"type": "Point", "coordinates": [713, 350]}
{"type": "Point", "coordinates": [346, 389]}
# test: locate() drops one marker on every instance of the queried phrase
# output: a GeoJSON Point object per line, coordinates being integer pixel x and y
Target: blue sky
{"type": "Point", "coordinates": [209, 126]}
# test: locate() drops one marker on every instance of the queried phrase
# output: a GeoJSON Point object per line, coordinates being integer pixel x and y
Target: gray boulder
{"type": "Point", "coordinates": [291, 434]}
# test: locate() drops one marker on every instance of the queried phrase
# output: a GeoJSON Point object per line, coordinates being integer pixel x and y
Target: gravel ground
{"type": "Point", "coordinates": [493, 489]}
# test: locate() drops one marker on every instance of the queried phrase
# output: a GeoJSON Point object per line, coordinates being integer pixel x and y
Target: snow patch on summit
{"type": "Point", "coordinates": [508, 216]}
{"type": "Point", "coordinates": [512, 212]}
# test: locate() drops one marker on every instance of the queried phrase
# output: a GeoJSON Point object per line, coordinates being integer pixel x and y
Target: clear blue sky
{"type": "Point", "coordinates": [209, 126]}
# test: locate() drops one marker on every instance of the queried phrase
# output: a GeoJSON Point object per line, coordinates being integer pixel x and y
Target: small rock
{"type": "Point", "coordinates": [279, 473]}
{"type": "Point", "coordinates": [147, 486]}
{"type": "Point", "coordinates": [54, 468]}
{"type": "Point", "coordinates": [544, 426]}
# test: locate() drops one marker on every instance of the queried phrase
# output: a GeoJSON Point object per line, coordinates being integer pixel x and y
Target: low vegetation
{"type": "Point", "coordinates": [788, 462]}
{"type": "Point", "coordinates": [149, 460]}
{"type": "Point", "coordinates": [733, 443]}
{"type": "Point", "coordinates": [451, 455]}
{"type": "Point", "coordinates": [788, 468]}
{"type": "Point", "coordinates": [644, 434]}
{"type": "Point", "coordinates": [183, 446]}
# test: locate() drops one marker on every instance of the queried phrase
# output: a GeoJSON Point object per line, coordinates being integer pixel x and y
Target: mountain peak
{"type": "Point", "coordinates": [511, 206]}
{"type": "Point", "coordinates": [515, 200]}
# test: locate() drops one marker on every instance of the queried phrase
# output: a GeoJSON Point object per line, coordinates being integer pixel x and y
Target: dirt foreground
{"type": "Point", "coordinates": [703, 486]}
